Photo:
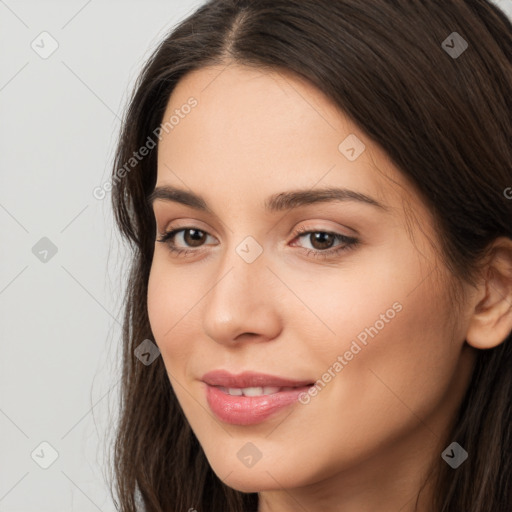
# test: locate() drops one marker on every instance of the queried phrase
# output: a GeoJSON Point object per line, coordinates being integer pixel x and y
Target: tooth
{"type": "Point", "coordinates": [252, 391]}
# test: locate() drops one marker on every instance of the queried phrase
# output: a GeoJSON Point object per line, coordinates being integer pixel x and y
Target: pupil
{"type": "Point", "coordinates": [319, 236]}
{"type": "Point", "coordinates": [195, 241]}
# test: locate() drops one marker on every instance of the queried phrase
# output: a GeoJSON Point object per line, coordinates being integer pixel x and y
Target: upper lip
{"type": "Point", "coordinates": [249, 379]}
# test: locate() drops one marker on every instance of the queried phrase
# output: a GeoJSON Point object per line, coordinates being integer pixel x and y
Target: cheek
{"type": "Point", "coordinates": [392, 329]}
{"type": "Point", "coordinates": [401, 373]}
{"type": "Point", "coordinates": [167, 301]}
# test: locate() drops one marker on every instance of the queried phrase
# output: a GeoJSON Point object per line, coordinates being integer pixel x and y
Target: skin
{"type": "Point", "coordinates": [365, 442]}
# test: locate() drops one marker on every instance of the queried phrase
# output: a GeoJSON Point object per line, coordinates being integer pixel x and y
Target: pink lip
{"type": "Point", "coordinates": [249, 379]}
{"type": "Point", "coordinates": [249, 410]}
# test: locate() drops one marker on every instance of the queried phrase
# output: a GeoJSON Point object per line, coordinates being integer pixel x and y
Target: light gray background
{"type": "Point", "coordinates": [60, 319]}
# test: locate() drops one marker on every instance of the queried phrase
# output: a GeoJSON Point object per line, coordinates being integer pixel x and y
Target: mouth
{"type": "Point", "coordinates": [248, 380]}
{"type": "Point", "coordinates": [250, 398]}
{"type": "Point", "coordinates": [256, 391]}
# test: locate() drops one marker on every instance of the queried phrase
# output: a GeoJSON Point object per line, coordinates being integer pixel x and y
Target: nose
{"type": "Point", "coordinates": [243, 303]}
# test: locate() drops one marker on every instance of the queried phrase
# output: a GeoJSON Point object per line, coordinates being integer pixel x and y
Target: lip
{"type": "Point", "coordinates": [249, 410]}
{"type": "Point", "coordinates": [250, 379]}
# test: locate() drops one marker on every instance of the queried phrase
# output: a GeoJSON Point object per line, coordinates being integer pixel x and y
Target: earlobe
{"type": "Point", "coordinates": [491, 322]}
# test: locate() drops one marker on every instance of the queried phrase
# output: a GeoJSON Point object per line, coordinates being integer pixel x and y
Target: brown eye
{"type": "Point", "coordinates": [321, 243]}
{"type": "Point", "coordinates": [190, 237]}
{"type": "Point", "coordinates": [321, 240]}
{"type": "Point", "coordinates": [195, 239]}
{"type": "Point", "coordinates": [183, 241]}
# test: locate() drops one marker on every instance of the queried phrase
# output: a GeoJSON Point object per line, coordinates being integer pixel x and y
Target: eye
{"type": "Point", "coordinates": [192, 236]}
{"type": "Point", "coordinates": [321, 242]}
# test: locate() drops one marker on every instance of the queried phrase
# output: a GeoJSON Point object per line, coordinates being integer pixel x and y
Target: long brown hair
{"type": "Point", "coordinates": [443, 119]}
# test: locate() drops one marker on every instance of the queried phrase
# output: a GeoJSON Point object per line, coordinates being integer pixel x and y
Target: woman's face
{"type": "Point", "coordinates": [356, 301]}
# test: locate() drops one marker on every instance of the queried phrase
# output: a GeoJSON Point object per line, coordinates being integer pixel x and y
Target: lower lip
{"type": "Point", "coordinates": [249, 410]}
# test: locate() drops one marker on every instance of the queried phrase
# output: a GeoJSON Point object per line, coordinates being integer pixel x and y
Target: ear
{"type": "Point", "coordinates": [491, 321]}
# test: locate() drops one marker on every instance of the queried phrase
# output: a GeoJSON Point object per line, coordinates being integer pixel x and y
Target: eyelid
{"type": "Point", "coordinates": [183, 223]}
{"type": "Point", "coordinates": [316, 229]}
{"type": "Point", "coordinates": [300, 231]}
{"type": "Point", "coordinates": [195, 224]}
{"type": "Point", "coordinates": [348, 243]}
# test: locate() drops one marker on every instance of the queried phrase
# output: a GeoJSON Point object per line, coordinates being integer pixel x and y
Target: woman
{"type": "Point", "coordinates": [317, 194]}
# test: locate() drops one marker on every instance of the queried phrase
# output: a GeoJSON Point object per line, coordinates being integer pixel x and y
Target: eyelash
{"type": "Point", "coordinates": [349, 243]}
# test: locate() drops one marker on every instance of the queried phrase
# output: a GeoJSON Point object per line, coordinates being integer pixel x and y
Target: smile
{"type": "Point", "coordinates": [254, 391]}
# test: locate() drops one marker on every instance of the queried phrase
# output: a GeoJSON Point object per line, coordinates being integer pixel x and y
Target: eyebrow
{"type": "Point", "coordinates": [282, 201]}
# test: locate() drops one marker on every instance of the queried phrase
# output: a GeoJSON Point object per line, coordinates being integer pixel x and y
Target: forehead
{"type": "Point", "coordinates": [262, 130]}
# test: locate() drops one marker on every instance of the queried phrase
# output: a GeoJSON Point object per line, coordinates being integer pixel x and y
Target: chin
{"type": "Point", "coordinates": [248, 481]}
{"type": "Point", "coordinates": [262, 476]}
